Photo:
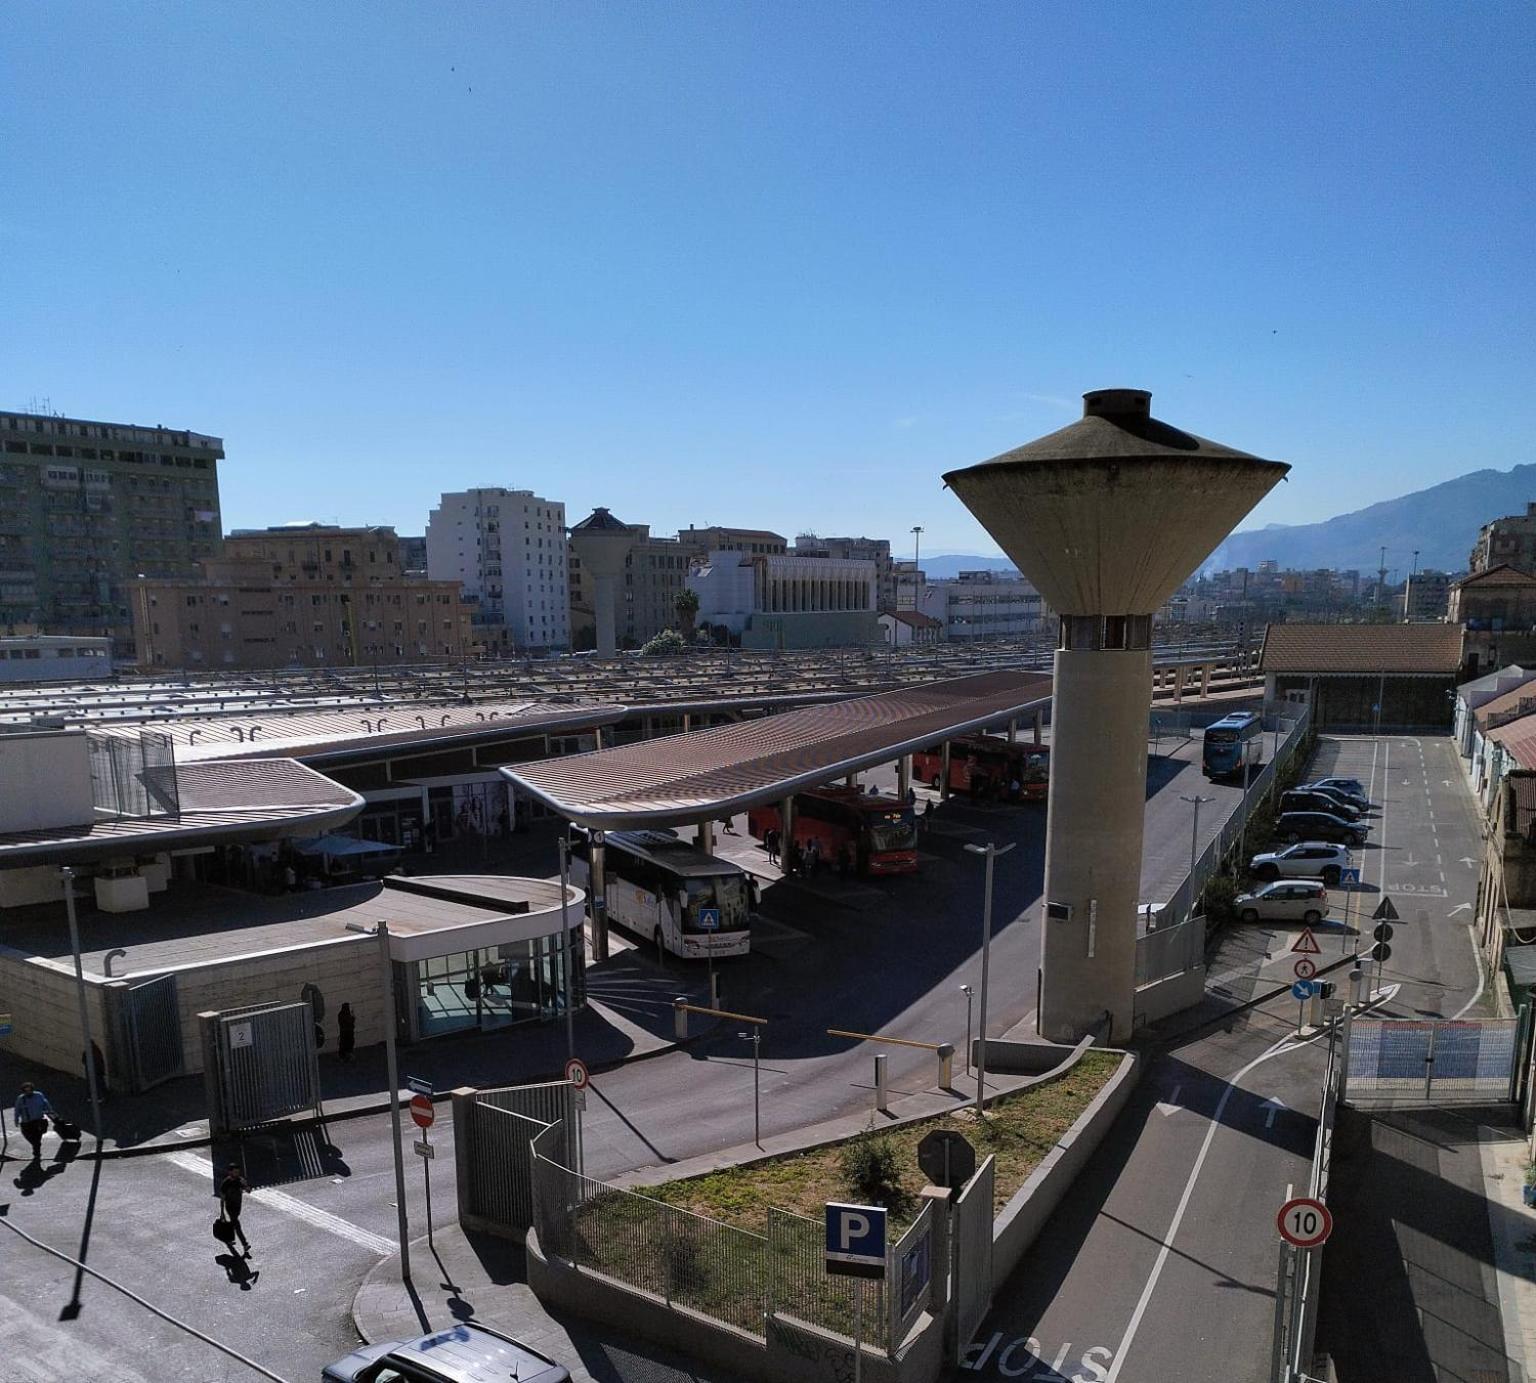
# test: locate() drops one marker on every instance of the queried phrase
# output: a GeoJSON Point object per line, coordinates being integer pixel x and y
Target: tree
{"type": "Point", "coordinates": [665, 644]}
{"type": "Point", "coordinates": [687, 611]}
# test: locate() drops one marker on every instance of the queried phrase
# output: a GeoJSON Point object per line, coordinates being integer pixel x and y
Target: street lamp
{"type": "Point", "coordinates": [756, 1039]}
{"type": "Point", "coordinates": [968, 992]}
{"type": "Point", "coordinates": [917, 540]}
{"type": "Point", "coordinates": [392, 1072]}
{"type": "Point", "coordinates": [92, 1076]}
{"type": "Point", "coordinates": [991, 851]}
{"type": "Point", "coordinates": [1194, 844]}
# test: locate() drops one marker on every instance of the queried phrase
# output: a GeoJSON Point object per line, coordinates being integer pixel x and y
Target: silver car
{"type": "Point", "coordinates": [464, 1353]}
{"type": "Point", "coordinates": [1310, 859]}
{"type": "Point", "coordinates": [1289, 900]}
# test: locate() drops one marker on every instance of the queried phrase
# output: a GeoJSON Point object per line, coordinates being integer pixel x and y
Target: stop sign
{"type": "Point", "coordinates": [422, 1113]}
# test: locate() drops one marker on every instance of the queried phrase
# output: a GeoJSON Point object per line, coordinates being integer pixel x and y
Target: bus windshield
{"type": "Point", "coordinates": [1215, 736]}
{"type": "Point", "coordinates": [893, 830]}
{"type": "Point", "coordinates": [725, 892]}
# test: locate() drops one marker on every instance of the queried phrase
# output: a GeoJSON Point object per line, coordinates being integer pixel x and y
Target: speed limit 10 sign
{"type": "Point", "coordinates": [1304, 1222]}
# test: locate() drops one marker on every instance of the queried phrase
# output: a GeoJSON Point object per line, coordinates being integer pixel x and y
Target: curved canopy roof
{"type": "Point", "coordinates": [710, 773]}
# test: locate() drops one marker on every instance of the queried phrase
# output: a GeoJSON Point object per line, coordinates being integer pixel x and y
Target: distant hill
{"type": "Point", "coordinates": [944, 566]}
{"type": "Point", "coordinates": [1441, 522]}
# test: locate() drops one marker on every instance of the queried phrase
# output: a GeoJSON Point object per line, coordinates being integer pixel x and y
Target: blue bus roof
{"type": "Point", "coordinates": [1238, 720]}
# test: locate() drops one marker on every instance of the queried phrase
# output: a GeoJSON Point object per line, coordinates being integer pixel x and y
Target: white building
{"type": "Point", "coordinates": [985, 605]}
{"type": "Point", "coordinates": [779, 602]}
{"type": "Point", "coordinates": [507, 549]}
{"type": "Point", "coordinates": [54, 658]}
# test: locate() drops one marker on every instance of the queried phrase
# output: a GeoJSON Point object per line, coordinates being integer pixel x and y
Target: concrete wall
{"type": "Point", "coordinates": [47, 780]}
{"type": "Point", "coordinates": [810, 629]}
{"type": "Point", "coordinates": [792, 1352]}
{"type": "Point", "coordinates": [40, 996]}
{"type": "Point", "coordinates": [1022, 1219]}
{"type": "Point", "coordinates": [34, 884]}
{"type": "Point", "coordinates": [1171, 995]}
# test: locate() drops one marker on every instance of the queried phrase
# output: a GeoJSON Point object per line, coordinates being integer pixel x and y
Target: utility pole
{"type": "Point", "coordinates": [917, 541]}
{"type": "Point", "coordinates": [1381, 581]}
{"type": "Point", "coordinates": [1408, 589]}
{"type": "Point", "coordinates": [1194, 846]}
{"type": "Point", "coordinates": [991, 851]}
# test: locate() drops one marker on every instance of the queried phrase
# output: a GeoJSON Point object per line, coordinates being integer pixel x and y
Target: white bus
{"type": "Point", "coordinates": [664, 890]}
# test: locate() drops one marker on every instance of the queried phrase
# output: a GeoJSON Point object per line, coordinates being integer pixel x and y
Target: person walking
{"type": "Point", "coordinates": [346, 1032]}
{"type": "Point", "coordinates": [231, 1194]}
{"type": "Point", "coordinates": [32, 1111]}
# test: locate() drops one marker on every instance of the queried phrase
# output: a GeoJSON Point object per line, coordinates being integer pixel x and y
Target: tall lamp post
{"type": "Point", "coordinates": [917, 542]}
{"type": "Point", "coordinates": [92, 1076]}
{"type": "Point", "coordinates": [392, 1074]}
{"type": "Point", "coordinates": [1194, 845]}
{"type": "Point", "coordinates": [991, 851]}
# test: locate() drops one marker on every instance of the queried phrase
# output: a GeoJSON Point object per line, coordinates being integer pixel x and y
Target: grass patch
{"type": "Point", "coordinates": [1018, 1130]}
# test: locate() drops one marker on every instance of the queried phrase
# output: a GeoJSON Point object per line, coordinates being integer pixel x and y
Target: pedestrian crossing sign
{"type": "Point", "coordinates": [1306, 944]}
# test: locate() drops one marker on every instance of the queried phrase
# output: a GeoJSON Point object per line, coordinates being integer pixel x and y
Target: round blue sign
{"type": "Point", "coordinates": [1303, 989]}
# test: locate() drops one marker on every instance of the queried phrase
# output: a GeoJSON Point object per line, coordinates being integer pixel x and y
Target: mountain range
{"type": "Point", "coordinates": [1440, 523]}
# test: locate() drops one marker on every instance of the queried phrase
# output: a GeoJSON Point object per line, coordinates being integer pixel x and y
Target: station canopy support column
{"type": "Point", "coordinates": [599, 900]}
{"type": "Point", "coordinates": [787, 818]}
{"type": "Point", "coordinates": [944, 773]}
{"type": "Point", "coordinates": [903, 776]}
{"type": "Point", "coordinates": [707, 837]}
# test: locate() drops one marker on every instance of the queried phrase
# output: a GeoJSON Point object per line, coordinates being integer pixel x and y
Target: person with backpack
{"type": "Point", "coordinates": [232, 1191]}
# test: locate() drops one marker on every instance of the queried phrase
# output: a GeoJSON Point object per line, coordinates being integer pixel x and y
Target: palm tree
{"type": "Point", "coordinates": [687, 606]}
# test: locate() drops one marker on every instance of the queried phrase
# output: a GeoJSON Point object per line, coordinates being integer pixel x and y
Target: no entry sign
{"type": "Point", "coordinates": [422, 1113]}
{"type": "Point", "coordinates": [1304, 1222]}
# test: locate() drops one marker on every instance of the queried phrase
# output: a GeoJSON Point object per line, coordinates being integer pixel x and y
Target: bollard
{"type": "Point", "coordinates": [946, 1066]}
{"type": "Point", "coordinates": [882, 1096]}
{"type": "Point", "coordinates": [714, 989]}
{"type": "Point", "coordinates": [680, 1018]}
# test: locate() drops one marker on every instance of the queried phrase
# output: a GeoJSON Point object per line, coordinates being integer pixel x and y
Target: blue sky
{"type": "Point", "coordinates": [770, 264]}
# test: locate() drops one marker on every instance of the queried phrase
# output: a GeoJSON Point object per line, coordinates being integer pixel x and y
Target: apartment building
{"type": "Point", "coordinates": [700, 542]}
{"type": "Point", "coordinates": [645, 599]}
{"type": "Point", "coordinates": [985, 605]}
{"type": "Point", "coordinates": [1509, 541]}
{"type": "Point", "coordinates": [876, 550]}
{"type": "Point", "coordinates": [308, 595]}
{"type": "Point", "coordinates": [507, 549]}
{"type": "Point", "coordinates": [85, 507]}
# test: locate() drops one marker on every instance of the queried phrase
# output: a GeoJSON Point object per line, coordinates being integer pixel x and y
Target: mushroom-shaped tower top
{"type": "Point", "coordinates": [1109, 515]}
{"type": "Point", "coordinates": [602, 542]}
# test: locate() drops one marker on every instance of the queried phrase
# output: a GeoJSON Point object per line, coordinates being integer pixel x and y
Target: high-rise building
{"type": "Point", "coordinates": [303, 595]}
{"type": "Point", "coordinates": [87, 506]}
{"type": "Point", "coordinates": [413, 554]}
{"type": "Point", "coordinates": [507, 549]}
{"type": "Point", "coordinates": [876, 550]}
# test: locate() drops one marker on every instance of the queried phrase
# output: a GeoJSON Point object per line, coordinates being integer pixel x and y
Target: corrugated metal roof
{"type": "Point", "coordinates": [1362, 649]}
{"type": "Point", "coordinates": [707, 773]}
{"type": "Point", "coordinates": [1517, 701]}
{"type": "Point", "coordinates": [1519, 738]}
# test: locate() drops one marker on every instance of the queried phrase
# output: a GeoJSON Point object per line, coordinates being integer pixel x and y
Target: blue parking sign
{"type": "Point", "coordinates": [709, 919]}
{"type": "Point", "coordinates": [855, 1240]}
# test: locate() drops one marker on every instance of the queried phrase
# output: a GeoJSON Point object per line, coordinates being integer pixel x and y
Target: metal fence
{"type": "Point", "coordinates": [1170, 951]}
{"type": "Point", "coordinates": [1434, 1061]}
{"type": "Point", "coordinates": [973, 1252]}
{"type": "Point", "coordinates": [912, 1275]}
{"type": "Point", "coordinates": [1289, 733]}
{"type": "Point", "coordinates": [134, 777]}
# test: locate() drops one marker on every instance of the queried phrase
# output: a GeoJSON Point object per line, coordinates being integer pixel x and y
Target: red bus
{"type": "Point", "coordinates": [986, 766]}
{"type": "Point", "coordinates": [880, 831]}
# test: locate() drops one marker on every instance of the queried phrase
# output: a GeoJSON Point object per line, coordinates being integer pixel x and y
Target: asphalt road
{"type": "Point", "coordinates": [1162, 1264]}
{"type": "Point", "coordinates": [892, 962]}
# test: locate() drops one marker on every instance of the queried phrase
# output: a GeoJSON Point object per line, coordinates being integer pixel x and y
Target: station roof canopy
{"type": "Point", "coordinates": [1363, 650]}
{"type": "Point", "coordinates": [715, 772]}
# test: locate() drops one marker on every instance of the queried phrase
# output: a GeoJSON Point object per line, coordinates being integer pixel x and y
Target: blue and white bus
{"type": "Point", "coordinates": [1232, 742]}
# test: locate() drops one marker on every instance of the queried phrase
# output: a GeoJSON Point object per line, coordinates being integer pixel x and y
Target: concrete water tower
{"type": "Point", "coordinates": [602, 543]}
{"type": "Point", "coordinates": [1106, 517]}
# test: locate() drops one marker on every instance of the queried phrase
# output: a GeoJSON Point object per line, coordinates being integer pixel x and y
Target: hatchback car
{"type": "Point", "coordinates": [1312, 859]}
{"type": "Point", "coordinates": [1290, 900]}
{"type": "Point", "coordinates": [1302, 800]}
{"type": "Point", "coordinates": [1294, 826]}
{"type": "Point", "coordinates": [467, 1353]}
{"type": "Point", "coordinates": [1353, 785]}
{"type": "Point", "coordinates": [1353, 800]}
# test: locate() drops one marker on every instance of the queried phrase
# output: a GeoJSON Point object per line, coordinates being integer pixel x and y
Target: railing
{"type": "Point", "coordinates": [134, 777]}
{"type": "Point", "coordinates": [1170, 951]}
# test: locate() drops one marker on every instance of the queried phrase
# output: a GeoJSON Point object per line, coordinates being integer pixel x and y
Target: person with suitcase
{"type": "Point", "coordinates": [232, 1191]}
{"type": "Point", "coordinates": [32, 1111]}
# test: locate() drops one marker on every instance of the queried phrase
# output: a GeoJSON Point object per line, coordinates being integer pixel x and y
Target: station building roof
{"type": "Point", "coordinates": [219, 803]}
{"type": "Point", "coordinates": [1362, 650]}
{"type": "Point", "coordinates": [710, 773]}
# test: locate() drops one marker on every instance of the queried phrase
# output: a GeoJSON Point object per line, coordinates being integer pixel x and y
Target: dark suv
{"type": "Point", "coordinates": [1305, 800]}
{"type": "Point", "coordinates": [1293, 825]}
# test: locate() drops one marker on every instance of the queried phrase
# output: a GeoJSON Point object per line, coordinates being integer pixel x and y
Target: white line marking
{"type": "Point", "coordinates": [1126, 1340]}
{"type": "Point", "coordinates": [292, 1205]}
{"type": "Point", "coordinates": [1477, 963]}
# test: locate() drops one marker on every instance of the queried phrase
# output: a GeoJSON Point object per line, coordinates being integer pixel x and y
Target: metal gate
{"type": "Point", "coordinates": [502, 1123]}
{"type": "Point", "coordinates": [973, 1252]}
{"type": "Point", "coordinates": [259, 1064]}
{"type": "Point", "coordinates": [1433, 1061]}
{"type": "Point", "coordinates": [154, 1031]}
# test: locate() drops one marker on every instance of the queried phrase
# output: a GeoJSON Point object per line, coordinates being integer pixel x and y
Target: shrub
{"type": "Point", "coordinates": [1217, 897]}
{"type": "Point", "coordinates": [666, 643]}
{"type": "Point", "coordinates": [872, 1170]}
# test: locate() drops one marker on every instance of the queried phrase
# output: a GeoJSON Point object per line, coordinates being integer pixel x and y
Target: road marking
{"type": "Point", "coordinates": [1477, 964]}
{"type": "Point", "coordinates": [1272, 1107]}
{"type": "Point", "coordinates": [1126, 1340]}
{"type": "Point", "coordinates": [292, 1205]}
{"type": "Point", "coordinates": [1463, 907]}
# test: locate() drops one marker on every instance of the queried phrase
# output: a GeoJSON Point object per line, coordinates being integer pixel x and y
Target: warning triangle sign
{"type": "Point", "coordinates": [1306, 944]}
{"type": "Point", "coordinates": [1385, 912]}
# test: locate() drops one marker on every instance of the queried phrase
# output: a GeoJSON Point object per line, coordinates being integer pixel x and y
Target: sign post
{"type": "Point", "coordinates": [1350, 880]}
{"type": "Point", "coordinates": [1301, 991]}
{"type": "Point", "coordinates": [856, 1248]}
{"type": "Point", "coordinates": [422, 1115]}
{"type": "Point", "coordinates": [1304, 1223]}
{"type": "Point", "coordinates": [1385, 914]}
{"type": "Point", "coordinates": [709, 924]}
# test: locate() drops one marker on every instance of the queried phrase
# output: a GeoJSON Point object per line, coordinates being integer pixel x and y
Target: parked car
{"type": "Point", "coordinates": [1290, 900]}
{"type": "Point", "coordinates": [468, 1353]}
{"type": "Point", "coordinates": [1294, 826]}
{"type": "Point", "coordinates": [1300, 800]}
{"type": "Point", "coordinates": [1353, 785]}
{"type": "Point", "coordinates": [1311, 859]}
{"type": "Point", "coordinates": [1354, 800]}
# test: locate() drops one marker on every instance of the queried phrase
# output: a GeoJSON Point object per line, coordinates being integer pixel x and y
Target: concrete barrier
{"type": "Point", "coordinates": [1022, 1219]}
{"type": "Point", "coordinates": [791, 1351]}
{"type": "Point", "coordinates": [1028, 1058]}
{"type": "Point", "coordinates": [1171, 995]}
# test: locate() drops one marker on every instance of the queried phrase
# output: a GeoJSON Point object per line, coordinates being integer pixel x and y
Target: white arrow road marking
{"type": "Point", "coordinates": [1468, 860]}
{"type": "Point", "coordinates": [1410, 862]}
{"type": "Point", "coordinates": [1171, 1105]}
{"type": "Point", "coordinates": [1460, 907]}
{"type": "Point", "coordinates": [1271, 1107]}
{"type": "Point", "coordinates": [292, 1205]}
